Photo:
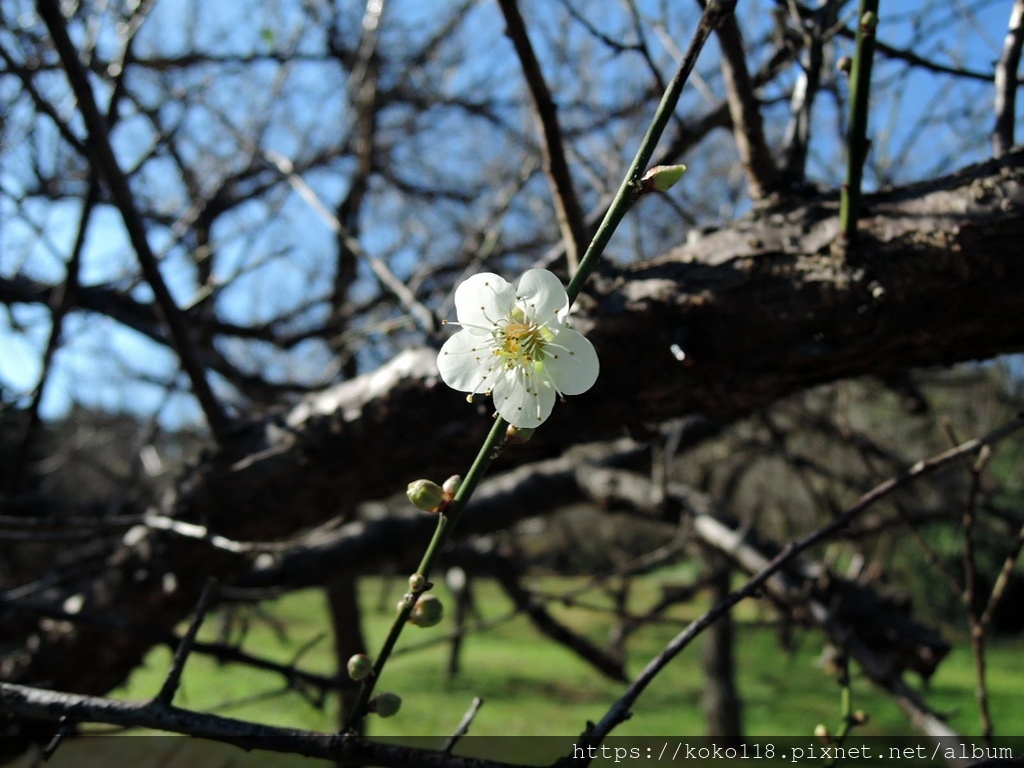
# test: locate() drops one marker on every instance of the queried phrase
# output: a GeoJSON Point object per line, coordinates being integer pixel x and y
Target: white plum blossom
{"type": "Point", "coordinates": [516, 346]}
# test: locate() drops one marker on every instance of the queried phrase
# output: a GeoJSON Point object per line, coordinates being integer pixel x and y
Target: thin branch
{"type": "Point", "coordinates": [715, 13]}
{"type": "Point", "coordinates": [570, 216]}
{"type": "Point", "coordinates": [424, 317]}
{"type": "Point", "coordinates": [621, 709]}
{"type": "Point", "coordinates": [818, 26]}
{"type": "Point", "coordinates": [363, 90]}
{"type": "Point", "coordinates": [970, 594]}
{"type": "Point", "coordinates": [612, 668]}
{"type": "Point", "coordinates": [181, 654]}
{"type": "Point", "coordinates": [1006, 83]}
{"type": "Point", "coordinates": [105, 161]}
{"type": "Point", "coordinates": [40, 102]}
{"type": "Point", "coordinates": [856, 140]}
{"type": "Point", "coordinates": [463, 728]}
{"type": "Point", "coordinates": [60, 304]}
{"type": "Point", "coordinates": [1003, 579]}
{"type": "Point", "coordinates": [745, 110]}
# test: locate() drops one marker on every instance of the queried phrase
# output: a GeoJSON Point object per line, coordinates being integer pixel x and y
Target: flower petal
{"type": "Point", "coordinates": [571, 362]}
{"type": "Point", "coordinates": [466, 362]}
{"type": "Point", "coordinates": [482, 300]}
{"type": "Point", "coordinates": [523, 398]}
{"type": "Point", "coordinates": [542, 296]}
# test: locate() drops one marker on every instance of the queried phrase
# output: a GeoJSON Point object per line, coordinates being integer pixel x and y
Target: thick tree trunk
{"type": "Point", "coordinates": [723, 708]}
{"type": "Point", "coordinates": [722, 326]}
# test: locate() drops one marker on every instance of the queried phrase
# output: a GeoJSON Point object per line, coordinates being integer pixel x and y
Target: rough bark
{"type": "Point", "coordinates": [761, 309]}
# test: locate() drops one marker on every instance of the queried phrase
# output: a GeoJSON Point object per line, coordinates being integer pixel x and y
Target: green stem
{"type": "Point", "coordinates": [629, 190]}
{"type": "Point", "coordinates": [445, 525]}
{"type": "Point", "coordinates": [856, 139]}
{"type": "Point", "coordinates": [714, 12]}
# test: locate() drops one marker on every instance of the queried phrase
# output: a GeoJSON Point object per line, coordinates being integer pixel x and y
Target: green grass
{"type": "Point", "coordinates": [532, 687]}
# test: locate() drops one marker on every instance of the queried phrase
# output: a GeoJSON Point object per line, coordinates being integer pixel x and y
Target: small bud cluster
{"type": "Point", "coordinates": [431, 497]}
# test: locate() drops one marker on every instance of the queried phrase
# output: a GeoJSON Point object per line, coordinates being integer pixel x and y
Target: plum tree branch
{"type": "Point", "coordinates": [745, 110]}
{"type": "Point", "coordinates": [570, 216]}
{"type": "Point", "coordinates": [106, 162]}
{"type": "Point", "coordinates": [762, 309]}
{"type": "Point", "coordinates": [1006, 83]}
{"type": "Point", "coordinates": [619, 712]}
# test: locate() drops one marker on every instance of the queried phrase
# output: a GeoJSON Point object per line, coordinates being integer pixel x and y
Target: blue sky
{"type": "Point", "coordinates": [106, 366]}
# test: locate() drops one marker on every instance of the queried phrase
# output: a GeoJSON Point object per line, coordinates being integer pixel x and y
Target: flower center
{"type": "Point", "coordinates": [520, 342]}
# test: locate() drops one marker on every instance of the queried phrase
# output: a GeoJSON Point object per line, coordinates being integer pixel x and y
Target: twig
{"type": "Point", "coordinates": [970, 594]}
{"type": "Point", "coordinates": [1003, 579]}
{"type": "Point", "coordinates": [715, 12]}
{"type": "Point", "coordinates": [61, 303]}
{"type": "Point", "coordinates": [105, 161]}
{"type": "Point", "coordinates": [63, 731]}
{"type": "Point", "coordinates": [856, 138]}
{"type": "Point", "coordinates": [446, 522]}
{"type": "Point", "coordinates": [621, 709]}
{"type": "Point", "coordinates": [818, 26]}
{"type": "Point", "coordinates": [570, 216]}
{"type": "Point", "coordinates": [170, 686]}
{"type": "Point", "coordinates": [463, 726]}
{"type": "Point", "coordinates": [1006, 83]}
{"type": "Point", "coordinates": [363, 98]}
{"type": "Point", "coordinates": [423, 316]}
{"type": "Point", "coordinates": [745, 110]}
{"type": "Point", "coordinates": [606, 664]}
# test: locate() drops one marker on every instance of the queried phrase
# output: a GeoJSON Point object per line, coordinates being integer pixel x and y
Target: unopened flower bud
{"type": "Point", "coordinates": [417, 583]}
{"type": "Point", "coordinates": [661, 178]}
{"type": "Point", "coordinates": [519, 435]}
{"type": "Point", "coordinates": [427, 612]}
{"type": "Point", "coordinates": [360, 667]}
{"type": "Point", "coordinates": [451, 486]}
{"type": "Point", "coordinates": [860, 717]}
{"type": "Point", "coordinates": [821, 733]}
{"type": "Point", "coordinates": [425, 494]}
{"type": "Point", "coordinates": [869, 21]}
{"type": "Point", "coordinates": [385, 704]}
{"type": "Point", "coordinates": [844, 64]}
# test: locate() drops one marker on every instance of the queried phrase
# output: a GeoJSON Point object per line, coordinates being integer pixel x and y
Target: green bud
{"type": "Point", "coordinates": [869, 21]}
{"type": "Point", "coordinates": [860, 717]}
{"type": "Point", "coordinates": [451, 486]}
{"type": "Point", "coordinates": [427, 612]}
{"type": "Point", "coordinates": [425, 494]}
{"type": "Point", "coordinates": [661, 178]}
{"type": "Point", "coordinates": [821, 733]}
{"type": "Point", "coordinates": [385, 704]}
{"type": "Point", "coordinates": [360, 667]}
{"type": "Point", "coordinates": [417, 583]}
